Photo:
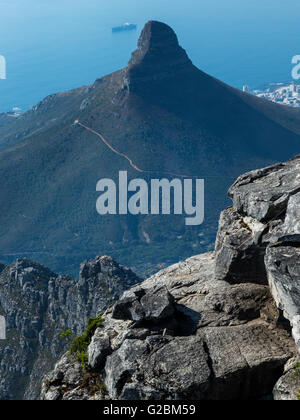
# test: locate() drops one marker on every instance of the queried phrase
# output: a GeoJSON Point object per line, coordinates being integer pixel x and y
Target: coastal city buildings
{"type": "Point", "coordinates": [286, 94]}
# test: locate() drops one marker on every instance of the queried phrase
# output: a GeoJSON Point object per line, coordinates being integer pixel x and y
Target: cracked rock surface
{"type": "Point", "coordinates": [259, 237]}
{"type": "Point", "coordinates": [220, 342]}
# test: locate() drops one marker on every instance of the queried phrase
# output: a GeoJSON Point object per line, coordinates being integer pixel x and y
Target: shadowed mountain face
{"type": "Point", "coordinates": [166, 115]}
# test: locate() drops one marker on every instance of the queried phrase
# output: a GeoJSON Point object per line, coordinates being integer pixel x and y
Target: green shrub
{"type": "Point", "coordinates": [65, 334]}
{"type": "Point", "coordinates": [296, 370]}
{"type": "Point", "coordinates": [103, 389]}
{"type": "Point", "coordinates": [83, 359]}
{"type": "Point", "coordinates": [80, 344]}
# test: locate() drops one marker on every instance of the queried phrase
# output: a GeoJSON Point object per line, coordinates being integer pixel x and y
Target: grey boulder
{"type": "Point", "coordinates": [239, 250]}
{"type": "Point", "coordinates": [98, 349]}
{"type": "Point", "coordinates": [150, 305]}
{"type": "Point", "coordinates": [283, 266]}
{"type": "Point", "coordinates": [263, 194]}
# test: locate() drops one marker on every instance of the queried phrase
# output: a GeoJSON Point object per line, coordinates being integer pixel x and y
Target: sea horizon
{"type": "Point", "coordinates": [59, 46]}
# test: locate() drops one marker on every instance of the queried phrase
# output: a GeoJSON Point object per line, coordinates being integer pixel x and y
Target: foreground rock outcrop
{"type": "Point", "coordinates": [212, 340]}
{"type": "Point", "coordinates": [259, 238]}
{"type": "Point", "coordinates": [216, 326]}
{"type": "Point", "coordinates": [38, 306]}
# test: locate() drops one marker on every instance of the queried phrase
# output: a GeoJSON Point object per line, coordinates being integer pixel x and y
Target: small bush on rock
{"type": "Point", "coordinates": [65, 334]}
{"type": "Point", "coordinates": [296, 370]}
{"type": "Point", "coordinates": [80, 344]}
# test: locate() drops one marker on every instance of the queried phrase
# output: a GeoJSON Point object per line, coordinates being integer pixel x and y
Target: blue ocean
{"type": "Point", "coordinates": [56, 45]}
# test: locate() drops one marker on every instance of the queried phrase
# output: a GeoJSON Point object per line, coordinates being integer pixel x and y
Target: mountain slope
{"type": "Point", "coordinates": [165, 114]}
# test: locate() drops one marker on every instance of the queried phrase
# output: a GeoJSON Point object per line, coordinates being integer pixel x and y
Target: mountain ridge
{"type": "Point", "coordinates": [166, 115]}
{"type": "Point", "coordinates": [40, 306]}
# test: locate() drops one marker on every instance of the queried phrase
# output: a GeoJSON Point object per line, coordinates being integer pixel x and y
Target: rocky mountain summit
{"type": "Point", "coordinates": [39, 306]}
{"type": "Point", "coordinates": [222, 325]}
{"type": "Point", "coordinates": [158, 58]}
